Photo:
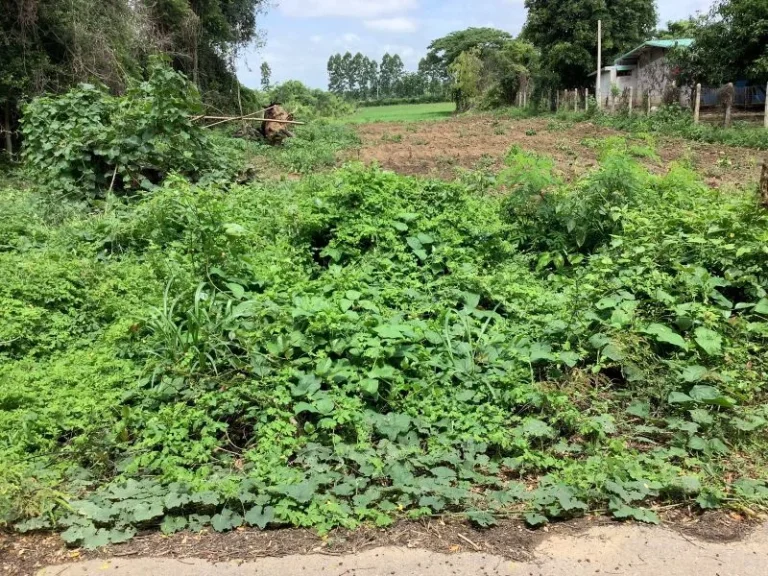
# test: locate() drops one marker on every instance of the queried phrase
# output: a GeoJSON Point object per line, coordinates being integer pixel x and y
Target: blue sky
{"type": "Point", "coordinates": [300, 35]}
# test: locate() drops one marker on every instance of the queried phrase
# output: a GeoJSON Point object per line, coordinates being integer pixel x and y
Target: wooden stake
{"type": "Point", "coordinates": [648, 104]}
{"type": "Point", "coordinates": [557, 100]}
{"type": "Point", "coordinates": [728, 105]}
{"type": "Point", "coordinates": [576, 100]}
{"type": "Point", "coordinates": [586, 99]}
{"type": "Point", "coordinates": [764, 185]}
{"type": "Point", "coordinates": [765, 120]}
{"type": "Point", "coordinates": [598, 90]}
{"type": "Point", "coordinates": [697, 105]}
{"type": "Point", "coordinates": [629, 108]}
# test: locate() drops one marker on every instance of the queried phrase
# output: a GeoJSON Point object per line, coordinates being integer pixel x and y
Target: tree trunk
{"type": "Point", "coordinates": [764, 184]}
{"type": "Point", "coordinates": [7, 130]}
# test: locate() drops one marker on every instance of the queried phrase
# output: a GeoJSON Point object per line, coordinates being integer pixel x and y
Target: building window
{"type": "Point", "coordinates": [624, 73]}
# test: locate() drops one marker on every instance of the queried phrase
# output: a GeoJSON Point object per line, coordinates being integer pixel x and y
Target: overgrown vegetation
{"type": "Point", "coordinates": [675, 121]}
{"type": "Point", "coordinates": [359, 346]}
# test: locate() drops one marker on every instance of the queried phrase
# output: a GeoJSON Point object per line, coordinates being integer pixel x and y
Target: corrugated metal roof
{"type": "Point", "coordinates": [619, 68]}
{"type": "Point", "coordinates": [682, 42]}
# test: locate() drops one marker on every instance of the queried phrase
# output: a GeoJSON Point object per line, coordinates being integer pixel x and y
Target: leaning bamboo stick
{"type": "Point", "coordinates": [254, 120]}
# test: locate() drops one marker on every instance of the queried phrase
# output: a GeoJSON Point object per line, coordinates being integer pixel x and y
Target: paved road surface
{"type": "Point", "coordinates": [605, 550]}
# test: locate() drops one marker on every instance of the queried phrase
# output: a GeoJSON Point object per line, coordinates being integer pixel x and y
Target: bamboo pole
{"type": "Point", "coordinates": [598, 92]}
{"type": "Point", "coordinates": [254, 120]}
{"type": "Point", "coordinates": [697, 105]}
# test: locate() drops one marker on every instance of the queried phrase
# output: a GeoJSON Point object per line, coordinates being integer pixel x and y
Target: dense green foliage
{"type": "Point", "coordinates": [566, 34]}
{"type": "Point", "coordinates": [357, 346]}
{"type": "Point", "coordinates": [678, 122]}
{"type": "Point", "coordinates": [49, 46]}
{"type": "Point", "coordinates": [731, 43]}
{"type": "Point", "coordinates": [86, 142]}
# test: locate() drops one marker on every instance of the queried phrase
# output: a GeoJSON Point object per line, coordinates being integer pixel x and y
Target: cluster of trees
{"type": "Point", "coordinates": [361, 78]}
{"type": "Point", "coordinates": [558, 48]}
{"type": "Point", "coordinates": [51, 45]}
{"type": "Point", "coordinates": [730, 43]}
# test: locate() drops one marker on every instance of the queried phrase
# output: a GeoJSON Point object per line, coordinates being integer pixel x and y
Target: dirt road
{"type": "Point", "coordinates": [610, 549]}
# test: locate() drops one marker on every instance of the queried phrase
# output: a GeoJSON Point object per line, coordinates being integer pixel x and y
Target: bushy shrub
{"type": "Point", "coordinates": [85, 142]}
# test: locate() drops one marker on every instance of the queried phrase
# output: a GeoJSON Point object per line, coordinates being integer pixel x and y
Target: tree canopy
{"type": "Point", "coordinates": [731, 43]}
{"type": "Point", "coordinates": [444, 51]}
{"type": "Point", "coordinates": [566, 33]}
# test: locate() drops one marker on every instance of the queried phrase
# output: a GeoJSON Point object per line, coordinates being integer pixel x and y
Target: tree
{"type": "Point", "coordinates": [347, 74]}
{"type": "Point", "coordinates": [466, 70]}
{"type": "Point", "coordinates": [266, 76]}
{"type": "Point", "coordinates": [335, 75]}
{"type": "Point", "coordinates": [385, 75]}
{"type": "Point", "coordinates": [566, 33]}
{"type": "Point", "coordinates": [444, 51]}
{"type": "Point", "coordinates": [730, 43]}
{"type": "Point", "coordinates": [677, 30]}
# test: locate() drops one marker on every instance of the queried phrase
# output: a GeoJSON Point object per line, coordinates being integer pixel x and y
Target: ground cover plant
{"type": "Point", "coordinates": [360, 346]}
{"type": "Point", "coordinates": [677, 122]}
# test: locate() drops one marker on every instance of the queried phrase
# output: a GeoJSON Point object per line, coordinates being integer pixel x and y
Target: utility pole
{"type": "Point", "coordinates": [598, 91]}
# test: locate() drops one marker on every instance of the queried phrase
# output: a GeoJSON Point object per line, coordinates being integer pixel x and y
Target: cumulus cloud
{"type": "Point", "coordinates": [345, 8]}
{"type": "Point", "coordinates": [397, 25]}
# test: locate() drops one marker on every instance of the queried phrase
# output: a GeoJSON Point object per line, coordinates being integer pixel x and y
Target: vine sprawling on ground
{"type": "Point", "coordinates": [359, 346]}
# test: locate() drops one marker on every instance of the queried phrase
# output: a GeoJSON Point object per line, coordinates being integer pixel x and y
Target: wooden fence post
{"type": "Point", "coordinates": [728, 97]}
{"type": "Point", "coordinates": [697, 105]}
{"type": "Point", "coordinates": [586, 99]}
{"type": "Point", "coordinates": [765, 120]}
{"type": "Point", "coordinates": [629, 108]}
{"type": "Point", "coordinates": [648, 103]}
{"type": "Point", "coordinates": [575, 99]}
{"type": "Point", "coordinates": [557, 100]}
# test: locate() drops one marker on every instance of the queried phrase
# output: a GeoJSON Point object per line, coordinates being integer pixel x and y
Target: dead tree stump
{"type": "Point", "coordinates": [275, 132]}
{"type": "Point", "coordinates": [764, 185]}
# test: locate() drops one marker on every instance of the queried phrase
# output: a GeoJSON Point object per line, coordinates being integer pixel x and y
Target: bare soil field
{"type": "Point", "coordinates": [438, 148]}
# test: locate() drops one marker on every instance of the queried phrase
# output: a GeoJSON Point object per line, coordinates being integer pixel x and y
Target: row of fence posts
{"type": "Point", "coordinates": [728, 93]}
{"type": "Point", "coordinates": [566, 99]}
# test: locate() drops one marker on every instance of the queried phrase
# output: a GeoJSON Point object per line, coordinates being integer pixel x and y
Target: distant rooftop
{"type": "Point", "coordinates": [633, 55]}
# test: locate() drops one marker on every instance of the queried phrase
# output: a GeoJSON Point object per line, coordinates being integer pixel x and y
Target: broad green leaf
{"type": "Point", "coordinates": [694, 373]}
{"type": "Point", "coordinates": [667, 335]}
{"type": "Point", "coordinates": [533, 519]}
{"type": "Point", "coordinates": [226, 520]}
{"type": "Point", "coordinates": [762, 307]}
{"type": "Point", "coordinates": [173, 524]}
{"type": "Point", "coordinates": [709, 341]}
{"type": "Point", "coordinates": [260, 516]}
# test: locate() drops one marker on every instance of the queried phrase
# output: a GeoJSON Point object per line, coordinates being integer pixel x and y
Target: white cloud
{"type": "Point", "coordinates": [397, 25]}
{"type": "Point", "coordinates": [316, 39]}
{"type": "Point", "coordinates": [345, 8]}
{"type": "Point", "coordinates": [350, 38]}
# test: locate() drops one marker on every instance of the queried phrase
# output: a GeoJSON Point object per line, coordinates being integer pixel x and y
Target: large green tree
{"type": "Point", "coordinates": [566, 33]}
{"type": "Point", "coordinates": [731, 43]}
{"type": "Point", "coordinates": [444, 51]}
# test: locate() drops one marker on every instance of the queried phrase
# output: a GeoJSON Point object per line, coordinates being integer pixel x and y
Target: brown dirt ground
{"type": "Point", "coordinates": [24, 555]}
{"type": "Point", "coordinates": [438, 148]}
